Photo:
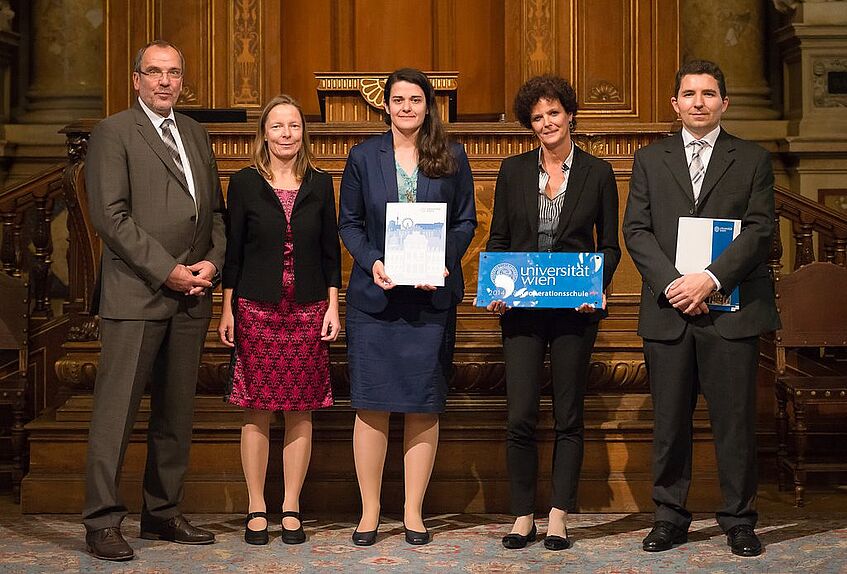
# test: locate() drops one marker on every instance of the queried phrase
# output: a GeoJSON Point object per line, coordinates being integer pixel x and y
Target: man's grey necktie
{"type": "Point", "coordinates": [170, 143]}
{"type": "Point", "coordinates": [695, 168]}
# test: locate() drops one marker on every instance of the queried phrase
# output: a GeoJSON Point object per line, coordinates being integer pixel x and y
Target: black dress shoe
{"type": "Point", "coordinates": [416, 538]}
{"type": "Point", "coordinates": [556, 543]}
{"type": "Point", "coordinates": [365, 538]}
{"type": "Point", "coordinates": [743, 541]}
{"type": "Point", "coordinates": [256, 537]}
{"type": "Point", "coordinates": [514, 540]}
{"type": "Point", "coordinates": [176, 529]}
{"type": "Point", "coordinates": [663, 536]}
{"type": "Point", "coordinates": [296, 536]}
{"type": "Point", "coordinates": [108, 544]}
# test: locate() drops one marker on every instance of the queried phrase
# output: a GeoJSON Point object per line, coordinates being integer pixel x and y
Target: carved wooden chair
{"type": "Point", "coordinates": [14, 307]}
{"type": "Point", "coordinates": [813, 307]}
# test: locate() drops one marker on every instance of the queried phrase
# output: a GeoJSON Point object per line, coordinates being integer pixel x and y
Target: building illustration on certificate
{"type": "Point", "coordinates": [415, 240]}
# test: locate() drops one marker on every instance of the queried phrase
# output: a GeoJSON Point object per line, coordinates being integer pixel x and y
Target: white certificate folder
{"type": "Point", "coordinates": [700, 241]}
{"type": "Point", "coordinates": [415, 243]}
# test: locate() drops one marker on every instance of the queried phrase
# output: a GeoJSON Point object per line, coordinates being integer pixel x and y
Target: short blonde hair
{"type": "Point", "coordinates": [261, 158]}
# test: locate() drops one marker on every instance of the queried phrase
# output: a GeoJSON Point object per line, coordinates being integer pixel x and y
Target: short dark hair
{"type": "Point", "coordinates": [434, 156]}
{"type": "Point", "coordinates": [695, 67]}
{"type": "Point", "coordinates": [136, 63]}
{"type": "Point", "coordinates": [547, 87]}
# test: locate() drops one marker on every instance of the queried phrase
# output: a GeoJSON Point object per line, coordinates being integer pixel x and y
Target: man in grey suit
{"type": "Point", "coordinates": [156, 202]}
{"type": "Point", "coordinates": [702, 172]}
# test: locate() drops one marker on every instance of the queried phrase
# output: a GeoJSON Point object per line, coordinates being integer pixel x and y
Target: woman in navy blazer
{"type": "Point", "coordinates": [400, 338]}
{"type": "Point", "coordinates": [280, 307]}
{"type": "Point", "coordinates": [553, 198]}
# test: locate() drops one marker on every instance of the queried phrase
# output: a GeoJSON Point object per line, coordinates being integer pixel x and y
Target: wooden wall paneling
{"type": "Point", "coordinates": [220, 54]}
{"type": "Point", "coordinates": [444, 13]}
{"type": "Point", "coordinates": [666, 48]}
{"type": "Point", "coordinates": [606, 75]}
{"type": "Point", "coordinates": [390, 35]}
{"type": "Point", "coordinates": [512, 25]}
{"type": "Point", "coordinates": [480, 60]}
{"type": "Point", "coordinates": [343, 34]}
{"type": "Point", "coordinates": [189, 28]}
{"type": "Point", "coordinates": [271, 47]}
{"type": "Point", "coordinates": [309, 40]}
{"type": "Point", "coordinates": [128, 25]}
{"type": "Point", "coordinates": [566, 46]}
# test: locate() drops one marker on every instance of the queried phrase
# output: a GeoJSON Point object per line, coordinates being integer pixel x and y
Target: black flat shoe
{"type": "Point", "coordinates": [256, 537]}
{"type": "Point", "coordinates": [296, 536]}
{"type": "Point", "coordinates": [416, 538]}
{"type": "Point", "coordinates": [365, 538]}
{"type": "Point", "coordinates": [556, 543]}
{"type": "Point", "coordinates": [514, 541]}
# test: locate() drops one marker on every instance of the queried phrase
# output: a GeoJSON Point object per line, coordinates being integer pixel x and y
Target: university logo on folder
{"type": "Point", "coordinates": [540, 279]}
{"type": "Point", "coordinates": [701, 240]}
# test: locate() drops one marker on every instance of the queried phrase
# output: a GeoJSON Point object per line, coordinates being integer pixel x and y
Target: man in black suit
{"type": "Point", "coordinates": [702, 172]}
{"type": "Point", "coordinates": [156, 202]}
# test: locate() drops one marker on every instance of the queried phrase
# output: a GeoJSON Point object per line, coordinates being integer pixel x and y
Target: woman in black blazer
{"type": "Point", "coordinates": [280, 307]}
{"type": "Point", "coordinates": [553, 198]}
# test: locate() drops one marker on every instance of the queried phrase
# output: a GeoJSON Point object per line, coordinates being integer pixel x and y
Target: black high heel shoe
{"type": "Point", "coordinates": [256, 537]}
{"type": "Point", "coordinates": [553, 542]}
{"type": "Point", "coordinates": [416, 538]}
{"type": "Point", "coordinates": [365, 538]}
{"type": "Point", "coordinates": [296, 536]}
{"type": "Point", "coordinates": [514, 540]}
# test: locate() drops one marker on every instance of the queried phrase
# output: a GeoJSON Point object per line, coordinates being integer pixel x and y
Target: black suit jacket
{"type": "Point", "coordinates": [590, 205]}
{"type": "Point", "coordinates": [257, 231]}
{"type": "Point", "coordinates": [738, 184]}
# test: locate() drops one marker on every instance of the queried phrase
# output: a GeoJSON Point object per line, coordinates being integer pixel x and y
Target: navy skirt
{"type": "Point", "coordinates": [400, 360]}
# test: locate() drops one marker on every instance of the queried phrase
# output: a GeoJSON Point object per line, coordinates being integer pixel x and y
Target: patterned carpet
{"type": "Point", "coordinates": [603, 544]}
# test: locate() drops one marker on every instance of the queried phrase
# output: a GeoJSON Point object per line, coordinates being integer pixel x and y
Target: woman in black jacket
{"type": "Point", "coordinates": [280, 308]}
{"type": "Point", "coordinates": [553, 198]}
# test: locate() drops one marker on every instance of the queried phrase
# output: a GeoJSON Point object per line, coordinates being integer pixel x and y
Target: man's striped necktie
{"type": "Point", "coordinates": [170, 143]}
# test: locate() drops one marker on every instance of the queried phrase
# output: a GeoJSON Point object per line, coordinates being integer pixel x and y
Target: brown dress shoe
{"type": "Point", "coordinates": [108, 544]}
{"type": "Point", "coordinates": [176, 529]}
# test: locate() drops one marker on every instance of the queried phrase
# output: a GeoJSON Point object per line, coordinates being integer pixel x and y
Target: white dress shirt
{"type": "Point", "coordinates": [157, 123]}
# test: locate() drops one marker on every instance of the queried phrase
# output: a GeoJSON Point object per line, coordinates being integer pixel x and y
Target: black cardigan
{"type": "Point", "coordinates": [256, 235]}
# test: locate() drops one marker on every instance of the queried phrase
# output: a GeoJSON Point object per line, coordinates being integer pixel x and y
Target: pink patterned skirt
{"type": "Point", "coordinates": [280, 362]}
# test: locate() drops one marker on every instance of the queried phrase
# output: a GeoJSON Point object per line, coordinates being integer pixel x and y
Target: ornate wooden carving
{"type": "Point", "coordinates": [539, 37]}
{"type": "Point", "coordinates": [246, 62]}
{"type": "Point", "coordinates": [42, 240]}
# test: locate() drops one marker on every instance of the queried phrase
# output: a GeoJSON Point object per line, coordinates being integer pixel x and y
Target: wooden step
{"type": "Point", "coordinates": [469, 475]}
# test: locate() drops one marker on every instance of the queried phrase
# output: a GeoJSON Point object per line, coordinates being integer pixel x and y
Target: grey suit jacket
{"type": "Point", "coordinates": [141, 208]}
{"type": "Point", "coordinates": [738, 184]}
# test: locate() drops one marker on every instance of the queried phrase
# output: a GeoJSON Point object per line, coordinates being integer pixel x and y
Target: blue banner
{"type": "Point", "coordinates": [540, 279]}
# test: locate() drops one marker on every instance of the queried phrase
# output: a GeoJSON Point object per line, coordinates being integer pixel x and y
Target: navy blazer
{"type": "Point", "coordinates": [590, 208]}
{"type": "Point", "coordinates": [257, 231]}
{"type": "Point", "coordinates": [368, 184]}
{"type": "Point", "coordinates": [738, 184]}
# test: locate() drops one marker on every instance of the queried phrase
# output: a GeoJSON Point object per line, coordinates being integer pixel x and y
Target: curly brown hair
{"type": "Point", "coordinates": [547, 87]}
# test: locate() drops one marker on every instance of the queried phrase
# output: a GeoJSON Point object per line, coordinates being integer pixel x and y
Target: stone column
{"type": "Point", "coordinates": [67, 61]}
{"type": "Point", "coordinates": [732, 34]}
